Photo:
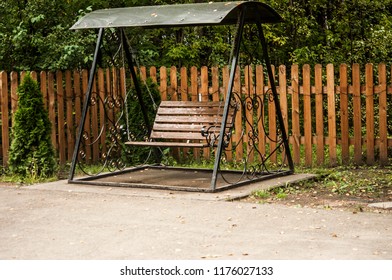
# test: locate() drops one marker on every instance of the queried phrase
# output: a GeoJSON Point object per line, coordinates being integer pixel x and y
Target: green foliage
{"type": "Point", "coordinates": [35, 35]}
{"type": "Point", "coordinates": [262, 194]}
{"type": "Point", "coordinates": [323, 31]}
{"type": "Point", "coordinates": [31, 152]}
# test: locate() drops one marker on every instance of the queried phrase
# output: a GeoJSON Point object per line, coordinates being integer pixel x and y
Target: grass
{"type": "Point", "coordinates": [356, 181]}
{"type": "Point", "coordinates": [351, 187]}
{"type": "Point", "coordinates": [28, 180]}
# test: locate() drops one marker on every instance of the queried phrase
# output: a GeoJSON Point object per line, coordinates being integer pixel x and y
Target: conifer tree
{"type": "Point", "coordinates": [31, 152]}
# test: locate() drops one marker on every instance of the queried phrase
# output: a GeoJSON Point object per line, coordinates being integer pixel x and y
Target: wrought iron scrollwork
{"type": "Point", "coordinates": [110, 140]}
{"type": "Point", "coordinates": [257, 104]}
{"type": "Point", "coordinates": [212, 133]}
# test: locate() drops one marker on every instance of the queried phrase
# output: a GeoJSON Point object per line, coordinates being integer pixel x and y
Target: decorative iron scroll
{"type": "Point", "coordinates": [255, 127]}
{"type": "Point", "coordinates": [258, 103]}
{"type": "Point", "coordinates": [212, 133]}
{"type": "Point", "coordinates": [111, 137]}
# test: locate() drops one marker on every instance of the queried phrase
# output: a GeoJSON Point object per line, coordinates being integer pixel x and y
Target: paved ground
{"type": "Point", "coordinates": [62, 221]}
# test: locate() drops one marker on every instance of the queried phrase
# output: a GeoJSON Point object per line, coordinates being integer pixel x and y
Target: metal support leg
{"type": "Point", "coordinates": [86, 104]}
{"type": "Point", "coordinates": [276, 99]}
{"type": "Point", "coordinates": [219, 148]}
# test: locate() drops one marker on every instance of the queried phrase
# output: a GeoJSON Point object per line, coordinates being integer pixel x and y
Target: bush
{"type": "Point", "coordinates": [31, 152]}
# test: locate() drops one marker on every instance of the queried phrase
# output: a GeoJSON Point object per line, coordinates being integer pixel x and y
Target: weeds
{"type": "Point", "coordinates": [362, 184]}
{"type": "Point", "coordinates": [262, 194]}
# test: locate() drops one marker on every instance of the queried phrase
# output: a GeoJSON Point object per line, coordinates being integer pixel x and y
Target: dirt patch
{"type": "Point", "coordinates": [349, 190]}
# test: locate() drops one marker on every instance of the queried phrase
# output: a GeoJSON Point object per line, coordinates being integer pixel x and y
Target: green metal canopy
{"type": "Point", "coordinates": [212, 13]}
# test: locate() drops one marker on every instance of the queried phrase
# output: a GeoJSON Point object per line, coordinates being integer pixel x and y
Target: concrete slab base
{"type": "Point", "coordinates": [231, 194]}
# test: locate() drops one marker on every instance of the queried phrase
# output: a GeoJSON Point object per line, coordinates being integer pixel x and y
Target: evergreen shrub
{"type": "Point", "coordinates": [31, 152]}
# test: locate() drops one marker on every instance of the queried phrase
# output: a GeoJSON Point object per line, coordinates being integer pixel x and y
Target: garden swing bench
{"type": "Point", "coordinates": [190, 124]}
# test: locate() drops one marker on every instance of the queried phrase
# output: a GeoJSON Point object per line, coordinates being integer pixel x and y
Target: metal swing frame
{"type": "Point", "coordinates": [219, 13]}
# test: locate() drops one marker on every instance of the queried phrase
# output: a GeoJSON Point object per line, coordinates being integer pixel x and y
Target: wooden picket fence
{"type": "Point", "coordinates": [333, 115]}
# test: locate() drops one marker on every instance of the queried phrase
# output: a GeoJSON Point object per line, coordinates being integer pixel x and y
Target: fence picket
{"type": "Point", "coordinates": [215, 83]}
{"type": "Point", "coordinates": [357, 112]}
{"type": "Point", "coordinates": [184, 84]}
{"type": "Point", "coordinates": [225, 81]}
{"type": "Point", "coordinates": [44, 89]}
{"type": "Point", "coordinates": [237, 137]}
{"type": "Point", "coordinates": [272, 129]}
{"type": "Point", "coordinates": [87, 126]}
{"type": "Point", "coordinates": [307, 115]}
{"type": "Point", "coordinates": [163, 82]}
{"type": "Point", "coordinates": [249, 112]}
{"type": "Point", "coordinates": [153, 74]}
{"type": "Point", "coordinates": [52, 110]}
{"type": "Point", "coordinates": [296, 134]}
{"type": "Point", "coordinates": [69, 115]}
{"type": "Point", "coordinates": [369, 114]}
{"type": "Point", "coordinates": [204, 97]}
{"type": "Point", "coordinates": [344, 132]}
{"type": "Point", "coordinates": [331, 115]}
{"type": "Point", "coordinates": [318, 73]}
{"type": "Point", "coordinates": [260, 112]}
{"type": "Point", "coordinates": [194, 93]}
{"type": "Point", "coordinates": [283, 100]}
{"type": "Point", "coordinates": [4, 99]}
{"type": "Point", "coordinates": [101, 94]}
{"type": "Point", "coordinates": [60, 118]}
{"type": "Point", "coordinates": [14, 89]}
{"type": "Point", "coordinates": [78, 100]}
{"type": "Point", "coordinates": [383, 117]}
{"type": "Point", "coordinates": [173, 84]}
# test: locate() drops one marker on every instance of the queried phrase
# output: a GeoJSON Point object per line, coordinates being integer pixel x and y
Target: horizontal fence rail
{"type": "Point", "coordinates": [333, 115]}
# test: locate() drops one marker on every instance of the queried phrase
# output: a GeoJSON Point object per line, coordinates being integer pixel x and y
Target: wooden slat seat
{"type": "Point", "coordinates": [186, 124]}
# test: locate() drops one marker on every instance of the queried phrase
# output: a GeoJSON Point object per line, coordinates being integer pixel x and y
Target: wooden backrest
{"type": "Point", "coordinates": [183, 121]}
